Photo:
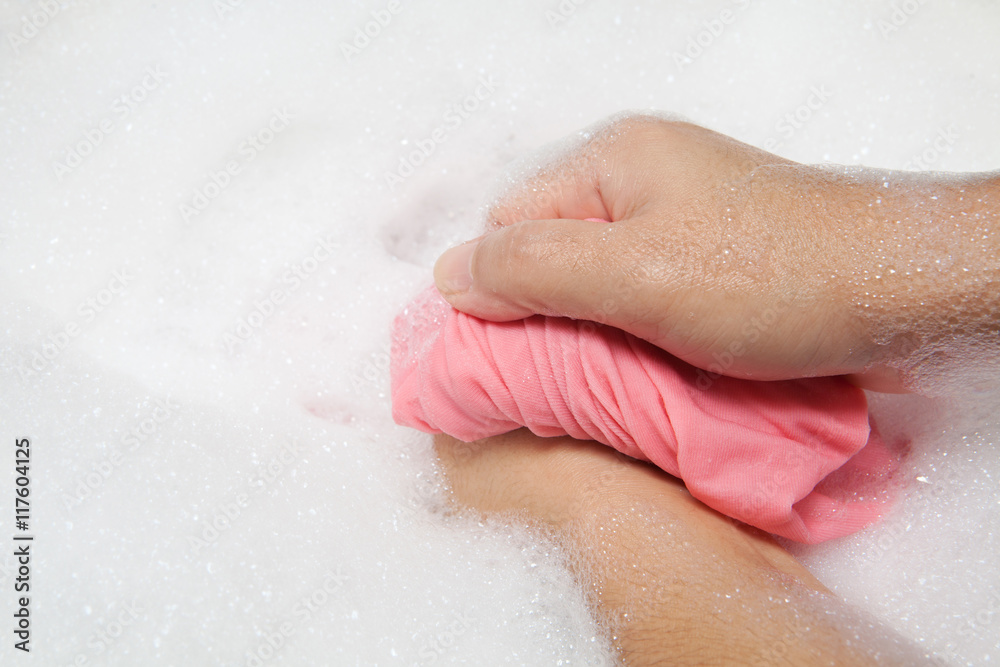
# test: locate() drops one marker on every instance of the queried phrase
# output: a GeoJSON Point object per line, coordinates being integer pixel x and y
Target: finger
{"type": "Point", "coordinates": [570, 268]}
{"type": "Point", "coordinates": [881, 379]}
{"type": "Point", "coordinates": [566, 187]}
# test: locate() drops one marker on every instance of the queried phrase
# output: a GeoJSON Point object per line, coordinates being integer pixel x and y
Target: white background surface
{"type": "Point", "coordinates": [283, 440]}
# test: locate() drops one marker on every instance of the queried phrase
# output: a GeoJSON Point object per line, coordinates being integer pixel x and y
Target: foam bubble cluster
{"type": "Point", "coordinates": [217, 208]}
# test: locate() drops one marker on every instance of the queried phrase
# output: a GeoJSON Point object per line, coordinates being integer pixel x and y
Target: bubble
{"type": "Point", "coordinates": [364, 495]}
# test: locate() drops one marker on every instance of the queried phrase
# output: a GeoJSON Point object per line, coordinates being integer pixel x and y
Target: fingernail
{"type": "Point", "coordinates": [453, 271]}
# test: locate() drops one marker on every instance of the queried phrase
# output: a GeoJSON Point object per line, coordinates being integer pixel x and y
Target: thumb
{"type": "Point", "coordinates": [548, 267]}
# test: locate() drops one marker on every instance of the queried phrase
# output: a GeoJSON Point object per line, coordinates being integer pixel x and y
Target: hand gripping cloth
{"type": "Point", "coordinates": [794, 458]}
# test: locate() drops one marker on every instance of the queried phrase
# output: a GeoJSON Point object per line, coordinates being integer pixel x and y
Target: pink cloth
{"type": "Point", "coordinates": [795, 458]}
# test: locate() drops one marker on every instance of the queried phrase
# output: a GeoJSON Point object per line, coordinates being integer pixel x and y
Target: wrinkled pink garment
{"type": "Point", "coordinates": [794, 458]}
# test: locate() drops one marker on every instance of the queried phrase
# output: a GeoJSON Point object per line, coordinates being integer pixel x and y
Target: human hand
{"type": "Point", "coordinates": [676, 582]}
{"type": "Point", "coordinates": [730, 258]}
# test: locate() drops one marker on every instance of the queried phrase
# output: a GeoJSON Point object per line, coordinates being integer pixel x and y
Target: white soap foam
{"type": "Point", "coordinates": [216, 474]}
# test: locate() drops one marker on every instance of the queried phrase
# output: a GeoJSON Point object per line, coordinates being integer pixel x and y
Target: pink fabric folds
{"type": "Point", "coordinates": [794, 458]}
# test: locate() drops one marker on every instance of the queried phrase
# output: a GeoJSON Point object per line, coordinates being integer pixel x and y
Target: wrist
{"type": "Point", "coordinates": [892, 269]}
{"type": "Point", "coordinates": [925, 269]}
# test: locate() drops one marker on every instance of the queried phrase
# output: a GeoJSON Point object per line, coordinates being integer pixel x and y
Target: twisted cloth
{"type": "Point", "coordinates": [796, 458]}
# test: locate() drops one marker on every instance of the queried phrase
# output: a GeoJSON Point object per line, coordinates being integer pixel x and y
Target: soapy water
{"type": "Point", "coordinates": [205, 240]}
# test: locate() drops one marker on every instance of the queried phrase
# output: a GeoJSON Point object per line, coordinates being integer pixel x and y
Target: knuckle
{"type": "Point", "coordinates": [539, 243]}
{"type": "Point", "coordinates": [644, 130]}
{"type": "Point", "coordinates": [536, 260]}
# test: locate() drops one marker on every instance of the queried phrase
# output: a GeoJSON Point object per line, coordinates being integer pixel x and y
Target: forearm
{"type": "Point", "coordinates": [907, 264]}
{"type": "Point", "coordinates": [675, 582]}
{"type": "Point", "coordinates": [680, 584]}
